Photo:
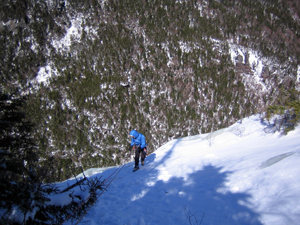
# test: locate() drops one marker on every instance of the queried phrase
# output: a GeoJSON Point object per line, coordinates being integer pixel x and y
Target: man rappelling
{"type": "Point", "coordinates": [139, 146]}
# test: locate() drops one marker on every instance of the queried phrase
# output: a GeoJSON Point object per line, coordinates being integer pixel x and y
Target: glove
{"type": "Point", "coordinates": [145, 151]}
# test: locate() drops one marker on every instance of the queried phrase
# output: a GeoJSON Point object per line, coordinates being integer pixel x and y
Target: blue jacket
{"type": "Point", "coordinates": [138, 139]}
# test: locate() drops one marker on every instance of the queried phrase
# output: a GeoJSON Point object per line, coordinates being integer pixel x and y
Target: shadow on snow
{"type": "Point", "coordinates": [139, 198]}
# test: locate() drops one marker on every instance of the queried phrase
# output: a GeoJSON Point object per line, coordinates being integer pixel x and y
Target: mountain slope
{"type": "Point", "coordinates": [239, 175]}
{"type": "Point", "coordinates": [93, 70]}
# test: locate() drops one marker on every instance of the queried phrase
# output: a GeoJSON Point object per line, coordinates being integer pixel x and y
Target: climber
{"type": "Point", "coordinates": [138, 144]}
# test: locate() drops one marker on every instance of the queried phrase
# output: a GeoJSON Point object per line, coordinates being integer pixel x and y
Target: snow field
{"type": "Point", "coordinates": [238, 175]}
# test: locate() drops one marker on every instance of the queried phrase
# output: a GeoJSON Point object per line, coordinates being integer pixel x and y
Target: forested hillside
{"type": "Point", "coordinates": [93, 70]}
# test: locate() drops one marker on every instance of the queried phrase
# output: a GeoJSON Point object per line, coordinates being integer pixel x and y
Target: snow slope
{"type": "Point", "coordinates": [238, 175]}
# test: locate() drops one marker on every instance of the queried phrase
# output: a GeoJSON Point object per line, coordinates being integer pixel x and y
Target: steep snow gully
{"type": "Point", "coordinates": [238, 175]}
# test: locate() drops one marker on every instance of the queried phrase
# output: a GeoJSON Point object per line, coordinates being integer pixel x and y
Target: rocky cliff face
{"type": "Point", "coordinates": [93, 70]}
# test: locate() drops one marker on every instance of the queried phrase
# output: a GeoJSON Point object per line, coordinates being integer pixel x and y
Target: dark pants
{"type": "Point", "coordinates": [139, 152]}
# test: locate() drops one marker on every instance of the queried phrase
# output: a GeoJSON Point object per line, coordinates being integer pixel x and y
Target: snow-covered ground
{"type": "Point", "coordinates": [238, 175]}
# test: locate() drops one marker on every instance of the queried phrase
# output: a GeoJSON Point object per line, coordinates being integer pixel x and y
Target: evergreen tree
{"type": "Point", "coordinates": [21, 193]}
